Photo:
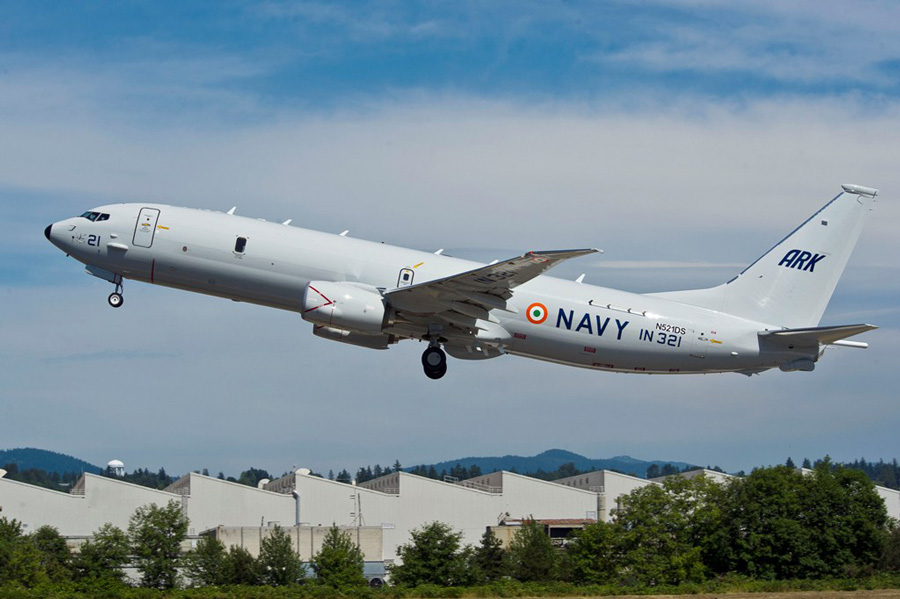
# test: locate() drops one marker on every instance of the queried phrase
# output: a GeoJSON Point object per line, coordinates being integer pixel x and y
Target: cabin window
{"type": "Point", "coordinates": [240, 245]}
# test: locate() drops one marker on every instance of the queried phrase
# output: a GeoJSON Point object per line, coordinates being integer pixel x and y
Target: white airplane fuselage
{"type": "Point", "coordinates": [546, 318]}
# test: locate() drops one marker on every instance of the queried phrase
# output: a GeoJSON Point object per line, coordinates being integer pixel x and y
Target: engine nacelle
{"type": "Point", "coordinates": [343, 306]}
{"type": "Point", "coordinates": [358, 339]}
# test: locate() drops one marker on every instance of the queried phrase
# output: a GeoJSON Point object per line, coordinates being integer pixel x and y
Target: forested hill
{"type": "Point", "coordinates": [27, 458]}
{"type": "Point", "coordinates": [552, 459]}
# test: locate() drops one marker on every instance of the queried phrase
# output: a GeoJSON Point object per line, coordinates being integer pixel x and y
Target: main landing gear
{"type": "Point", "coordinates": [115, 298]}
{"type": "Point", "coordinates": [434, 361]}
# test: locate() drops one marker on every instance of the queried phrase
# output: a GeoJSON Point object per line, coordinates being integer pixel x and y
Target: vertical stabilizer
{"type": "Point", "coordinates": [791, 284]}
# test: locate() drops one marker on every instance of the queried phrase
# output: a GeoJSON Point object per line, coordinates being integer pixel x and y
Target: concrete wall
{"type": "Point", "coordinates": [104, 501]}
{"type": "Point", "coordinates": [212, 502]}
{"type": "Point", "coordinates": [891, 501]}
{"type": "Point", "coordinates": [207, 502]}
{"type": "Point", "coordinates": [527, 497]}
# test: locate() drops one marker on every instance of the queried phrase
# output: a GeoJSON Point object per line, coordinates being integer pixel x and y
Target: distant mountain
{"type": "Point", "coordinates": [29, 457]}
{"type": "Point", "coordinates": [552, 459]}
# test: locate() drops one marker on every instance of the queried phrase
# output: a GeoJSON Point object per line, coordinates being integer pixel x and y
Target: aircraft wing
{"type": "Point", "coordinates": [813, 336]}
{"type": "Point", "coordinates": [463, 298]}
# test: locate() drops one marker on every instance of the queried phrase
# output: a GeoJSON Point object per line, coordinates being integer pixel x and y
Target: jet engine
{"type": "Point", "coordinates": [344, 306]}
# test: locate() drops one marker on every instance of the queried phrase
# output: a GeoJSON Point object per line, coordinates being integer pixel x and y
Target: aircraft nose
{"type": "Point", "coordinates": [47, 231]}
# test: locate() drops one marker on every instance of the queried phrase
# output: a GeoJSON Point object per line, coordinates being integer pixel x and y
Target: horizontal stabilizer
{"type": "Point", "coordinates": [815, 336]}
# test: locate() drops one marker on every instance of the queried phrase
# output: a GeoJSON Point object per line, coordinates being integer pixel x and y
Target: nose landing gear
{"type": "Point", "coordinates": [115, 298]}
{"type": "Point", "coordinates": [434, 361]}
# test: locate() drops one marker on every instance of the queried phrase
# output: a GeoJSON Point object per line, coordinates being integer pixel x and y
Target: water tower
{"type": "Point", "coordinates": [116, 468]}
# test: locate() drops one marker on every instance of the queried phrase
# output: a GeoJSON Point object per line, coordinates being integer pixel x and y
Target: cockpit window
{"type": "Point", "coordinates": [95, 216]}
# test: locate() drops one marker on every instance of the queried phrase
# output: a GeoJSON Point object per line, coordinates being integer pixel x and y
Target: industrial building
{"type": "Point", "coordinates": [380, 514]}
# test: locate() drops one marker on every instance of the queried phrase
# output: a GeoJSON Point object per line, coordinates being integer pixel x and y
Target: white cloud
{"type": "Point", "coordinates": [467, 173]}
{"type": "Point", "coordinates": [796, 42]}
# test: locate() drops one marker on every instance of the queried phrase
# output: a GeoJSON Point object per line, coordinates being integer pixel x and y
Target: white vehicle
{"type": "Point", "coordinates": [374, 295]}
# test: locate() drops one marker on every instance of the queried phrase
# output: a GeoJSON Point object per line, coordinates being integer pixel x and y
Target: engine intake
{"type": "Point", "coordinates": [343, 306]}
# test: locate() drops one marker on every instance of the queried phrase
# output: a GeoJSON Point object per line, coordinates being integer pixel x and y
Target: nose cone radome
{"type": "Point", "coordinates": [47, 232]}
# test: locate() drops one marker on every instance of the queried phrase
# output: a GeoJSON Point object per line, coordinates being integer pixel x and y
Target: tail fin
{"type": "Point", "coordinates": [791, 284]}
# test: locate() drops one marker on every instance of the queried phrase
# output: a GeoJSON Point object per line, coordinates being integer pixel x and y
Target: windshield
{"type": "Point", "coordinates": [95, 216]}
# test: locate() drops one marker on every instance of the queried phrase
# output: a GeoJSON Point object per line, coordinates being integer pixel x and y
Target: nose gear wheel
{"type": "Point", "coordinates": [115, 298]}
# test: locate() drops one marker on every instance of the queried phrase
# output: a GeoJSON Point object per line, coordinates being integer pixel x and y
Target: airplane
{"type": "Point", "coordinates": [374, 295]}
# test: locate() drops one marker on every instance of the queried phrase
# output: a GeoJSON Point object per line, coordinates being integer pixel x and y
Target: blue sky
{"type": "Point", "coordinates": [683, 138]}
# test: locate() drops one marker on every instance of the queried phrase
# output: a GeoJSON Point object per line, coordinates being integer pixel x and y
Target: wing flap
{"type": "Point", "coordinates": [815, 336]}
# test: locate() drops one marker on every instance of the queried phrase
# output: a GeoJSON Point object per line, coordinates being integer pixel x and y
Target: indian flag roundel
{"type": "Point", "coordinates": [537, 313]}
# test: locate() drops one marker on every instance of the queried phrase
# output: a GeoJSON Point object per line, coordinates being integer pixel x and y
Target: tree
{"type": "Point", "coordinates": [790, 464]}
{"type": "Point", "coordinates": [239, 567]}
{"type": "Point", "coordinates": [397, 466]}
{"type": "Point", "coordinates": [848, 516]}
{"type": "Point", "coordinates": [102, 558]}
{"type": "Point", "coordinates": [568, 469]}
{"type": "Point", "coordinates": [668, 470]}
{"type": "Point", "coordinates": [762, 535]}
{"type": "Point", "coordinates": [339, 564]}
{"type": "Point", "coordinates": [532, 556]}
{"type": "Point", "coordinates": [343, 477]}
{"type": "Point", "coordinates": [653, 471]}
{"type": "Point", "coordinates": [778, 523]}
{"type": "Point", "coordinates": [10, 537]}
{"type": "Point", "coordinates": [661, 531]}
{"type": "Point", "coordinates": [20, 560]}
{"type": "Point", "coordinates": [205, 564]}
{"type": "Point", "coordinates": [24, 566]}
{"type": "Point", "coordinates": [890, 558]}
{"type": "Point", "coordinates": [363, 474]}
{"type": "Point", "coordinates": [433, 556]}
{"type": "Point", "coordinates": [279, 564]}
{"type": "Point", "coordinates": [55, 558]}
{"type": "Point", "coordinates": [156, 534]}
{"type": "Point", "coordinates": [593, 556]}
{"type": "Point", "coordinates": [489, 558]}
{"type": "Point", "coordinates": [252, 476]}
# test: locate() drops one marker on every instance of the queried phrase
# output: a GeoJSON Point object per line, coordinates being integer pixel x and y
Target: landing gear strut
{"type": "Point", "coordinates": [434, 361]}
{"type": "Point", "coordinates": [115, 298]}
